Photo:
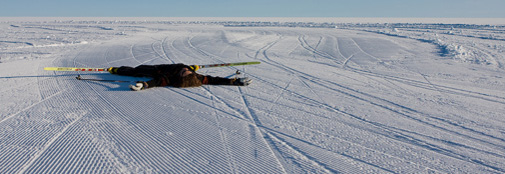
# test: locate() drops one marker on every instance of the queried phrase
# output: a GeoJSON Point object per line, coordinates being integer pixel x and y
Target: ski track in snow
{"type": "Point", "coordinates": [353, 100]}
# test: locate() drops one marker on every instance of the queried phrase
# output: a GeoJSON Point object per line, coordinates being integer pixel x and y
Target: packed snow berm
{"type": "Point", "coordinates": [328, 97]}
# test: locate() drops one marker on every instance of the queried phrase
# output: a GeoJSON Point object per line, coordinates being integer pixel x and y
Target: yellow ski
{"type": "Point", "coordinates": [197, 67]}
{"type": "Point", "coordinates": [194, 67]}
{"type": "Point", "coordinates": [228, 64]}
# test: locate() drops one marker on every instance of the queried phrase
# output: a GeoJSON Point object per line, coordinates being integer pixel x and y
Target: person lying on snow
{"type": "Point", "coordinates": [175, 75]}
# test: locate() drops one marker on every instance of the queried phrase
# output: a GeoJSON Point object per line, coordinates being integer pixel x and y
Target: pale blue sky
{"type": "Point", "coordinates": [254, 8]}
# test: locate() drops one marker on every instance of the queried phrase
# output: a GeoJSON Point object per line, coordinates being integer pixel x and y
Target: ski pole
{"type": "Point", "coordinates": [101, 80]}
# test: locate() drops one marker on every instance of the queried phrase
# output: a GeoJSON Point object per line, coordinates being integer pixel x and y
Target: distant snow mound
{"type": "Point", "coordinates": [444, 36]}
{"type": "Point", "coordinates": [466, 54]}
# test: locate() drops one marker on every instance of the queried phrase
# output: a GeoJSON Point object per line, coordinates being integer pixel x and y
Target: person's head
{"type": "Point", "coordinates": [188, 78]}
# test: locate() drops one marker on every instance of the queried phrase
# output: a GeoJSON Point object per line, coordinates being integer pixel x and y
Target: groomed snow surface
{"type": "Point", "coordinates": [354, 98]}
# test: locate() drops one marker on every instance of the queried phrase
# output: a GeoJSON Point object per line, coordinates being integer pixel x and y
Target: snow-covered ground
{"type": "Point", "coordinates": [327, 98]}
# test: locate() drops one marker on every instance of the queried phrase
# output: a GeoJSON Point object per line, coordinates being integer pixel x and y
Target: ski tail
{"type": "Point", "coordinates": [73, 69]}
{"type": "Point", "coordinates": [228, 64]}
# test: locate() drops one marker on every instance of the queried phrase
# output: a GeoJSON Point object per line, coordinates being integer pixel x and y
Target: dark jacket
{"type": "Point", "coordinates": [168, 75]}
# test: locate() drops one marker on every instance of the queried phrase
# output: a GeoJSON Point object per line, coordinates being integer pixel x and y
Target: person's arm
{"type": "Point", "coordinates": [157, 81]}
{"type": "Point", "coordinates": [139, 71]}
{"type": "Point", "coordinates": [211, 80]}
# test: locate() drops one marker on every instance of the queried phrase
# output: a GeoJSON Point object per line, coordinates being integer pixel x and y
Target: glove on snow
{"type": "Point", "coordinates": [140, 85]}
{"type": "Point", "coordinates": [242, 81]}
